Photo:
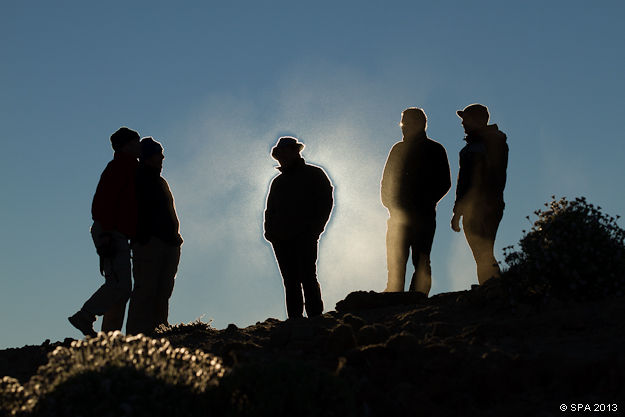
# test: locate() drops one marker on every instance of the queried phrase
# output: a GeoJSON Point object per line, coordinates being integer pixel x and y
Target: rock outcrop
{"type": "Point", "coordinates": [476, 352]}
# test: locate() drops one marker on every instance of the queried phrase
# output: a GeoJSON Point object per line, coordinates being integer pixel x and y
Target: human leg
{"type": "Point", "coordinates": [286, 256]}
{"type": "Point", "coordinates": [397, 251]}
{"type": "Point", "coordinates": [307, 254]}
{"type": "Point", "coordinates": [147, 264]}
{"type": "Point", "coordinates": [117, 273]}
{"type": "Point", "coordinates": [113, 318]}
{"type": "Point", "coordinates": [167, 277]}
{"type": "Point", "coordinates": [421, 244]}
{"type": "Point", "coordinates": [480, 231]}
{"type": "Point", "coordinates": [482, 249]}
{"type": "Point", "coordinates": [422, 277]}
{"type": "Point", "coordinates": [113, 294]}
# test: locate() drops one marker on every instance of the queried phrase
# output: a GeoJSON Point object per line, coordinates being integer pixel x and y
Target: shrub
{"type": "Point", "coordinates": [196, 327]}
{"type": "Point", "coordinates": [573, 251]}
{"type": "Point", "coordinates": [112, 374]}
{"type": "Point", "coordinates": [12, 396]}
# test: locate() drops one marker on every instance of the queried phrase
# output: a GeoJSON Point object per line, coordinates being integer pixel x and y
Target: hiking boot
{"type": "Point", "coordinates": [82, 322]}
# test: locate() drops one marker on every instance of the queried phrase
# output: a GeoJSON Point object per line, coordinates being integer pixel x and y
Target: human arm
{"type": "Point", "coordinates": [442, 174]}
{"type": "Point", "coordinates": [388, 186]}
{"type": "Point", "coordinates": [268, 217]}
{"type": "Point", "coordinates": [106, 198]}
{"type": "Point", "coordinates": [471, 177]}
{"type": "Point", "coordinates": [324, 202]}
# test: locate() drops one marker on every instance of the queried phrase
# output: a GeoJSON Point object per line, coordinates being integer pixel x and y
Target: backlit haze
{"type": "Point", "coordinates": [217, 84]}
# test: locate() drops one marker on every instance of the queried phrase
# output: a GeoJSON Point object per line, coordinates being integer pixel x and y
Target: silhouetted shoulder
{"type": "Point", "coordinates": [398, 146]}
{"type": "Point", "coordinates": [315, 168]}
{"type": "Point", "coordinates": [473, 147]}
{"type": "Point", "coordinates": [436, 146]}
{"type": "Point", "coordinates": [277, 181]}
{"type": "Point", "coordinates": [396, 154]}
{"type": "Point", "coordinates": [493, 131]}
{"type": "Point", "coordinates": [317, 171]}
{"type": "Point", "coordinates": [492, 136]}
{"type": "Point", "coordinates": [494, 141]}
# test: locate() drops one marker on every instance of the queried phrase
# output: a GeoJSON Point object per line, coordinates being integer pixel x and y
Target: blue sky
{"type": "Point", "coordinates": [217, 84]}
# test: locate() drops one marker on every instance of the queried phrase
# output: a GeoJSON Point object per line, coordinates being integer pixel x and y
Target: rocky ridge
{"type": "Point", "coordinates": [475, 352]}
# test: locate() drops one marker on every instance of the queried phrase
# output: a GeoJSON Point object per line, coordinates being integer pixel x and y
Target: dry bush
{"type": "Point", "coordinates": [573, 251]}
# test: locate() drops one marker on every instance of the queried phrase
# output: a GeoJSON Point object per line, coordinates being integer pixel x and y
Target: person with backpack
{"type": "Point", "coordinates": [114, 213]}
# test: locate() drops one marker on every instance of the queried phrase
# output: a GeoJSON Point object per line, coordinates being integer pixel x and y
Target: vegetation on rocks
{"type": "Point", "coordinates": [115, 374]}
{"type": "Point", "coordinates": [488, 351]}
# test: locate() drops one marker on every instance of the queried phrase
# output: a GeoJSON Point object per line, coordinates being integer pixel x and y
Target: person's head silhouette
{"type": "Point", "coordinates": [474, 117]}
{"type": "Point", "coordinates": [126, 141]}
{"type": "Point", "coordinates": [151, 153]}
{"type": "Point", "coordinates": [287, 150]}
{"type": "Point", "coordinates": [413, 122]}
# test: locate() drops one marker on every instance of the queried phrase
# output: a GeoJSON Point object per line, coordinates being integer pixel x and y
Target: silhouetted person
{"type": "Point", "coordinates": [479, 192]}
{"type": "Point", "coordinates": [298, 207]}
{"type": "Point", "coordinates": [416, 176]}
{"type": "Point", "coordinates": [156, 248]}
{"type": "Point", "coordinates": [114, 212]}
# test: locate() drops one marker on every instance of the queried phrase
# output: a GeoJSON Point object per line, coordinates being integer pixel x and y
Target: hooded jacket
{"type": "Point", "coordinates": [416, 176]}
{"type": "Point", "coordinates": [482, 174]}
{"type": "Point", "coordinates": [299, 203]}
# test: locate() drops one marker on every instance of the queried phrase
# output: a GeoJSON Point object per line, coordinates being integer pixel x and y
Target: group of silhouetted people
{"type": "Point", "coordinates": [133, 210]}
{"type": "Point", "coordinates": [417, 176]}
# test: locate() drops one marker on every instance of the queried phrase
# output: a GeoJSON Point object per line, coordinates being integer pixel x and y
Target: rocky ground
{"type": "Point", "coordinates": [474, 352]}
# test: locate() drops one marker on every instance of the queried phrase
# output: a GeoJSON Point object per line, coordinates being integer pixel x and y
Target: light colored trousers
{"type": "Point", "coordinates": [404, 234]}
{"type": "Point", "coordinates": [480, 230]}
{"type": "Point", "coordinates": [117, 274]}
{"type": "Point", "coordinates": [155, 265]}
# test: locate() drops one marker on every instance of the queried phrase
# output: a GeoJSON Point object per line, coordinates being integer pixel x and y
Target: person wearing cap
{"type": "Point", "coordinates": [416, 177]}
{"type": "Point", "coordinates": [480, 187]}
{"type": "Point", "coordinates": [114, 213]}
{"type": "Point", "coordinates": [156, 247]}
{"type": "Point", "coordinates": [298, 207]}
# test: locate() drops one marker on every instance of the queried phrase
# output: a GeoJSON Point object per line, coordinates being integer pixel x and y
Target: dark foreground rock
{"type": "Point", "coordinates": [467, 353]}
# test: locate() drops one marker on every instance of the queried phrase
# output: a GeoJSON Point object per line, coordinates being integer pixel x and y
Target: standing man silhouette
{"type": "Point", "coordinates": [114, 213]}
{"type": "Point", "coordinates": [479, 192]}
{"type": "Point", "coordinates": [156, 248]}
{"type": "Point", "coordinates": [297, 209]}
{"type": "Point", "coordinates": [416, 177]}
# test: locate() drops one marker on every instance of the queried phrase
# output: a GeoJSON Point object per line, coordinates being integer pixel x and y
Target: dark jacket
{"type": "Point", "coordinates": [114, 204]}
{"type": "Point", "coordinates": [416, 176]}
{"type": "Point", "coordinates": [299, 203]}
{"type": "Point", "coordinates": [157, 210]}
{"type": "Point", "coordinates": [482, 174]}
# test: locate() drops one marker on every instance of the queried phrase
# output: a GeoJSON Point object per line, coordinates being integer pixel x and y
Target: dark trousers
{"type": "Point", "coordinates": [406, 233]}
{"type": "Point", "coordinates": [155, 265]}
{"type": "Point", "coordinates": [297, 260]}
{"type": "Point", "coordinates": [480, 229]}
{"type": "Point", "coordinates": [113, 318]}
